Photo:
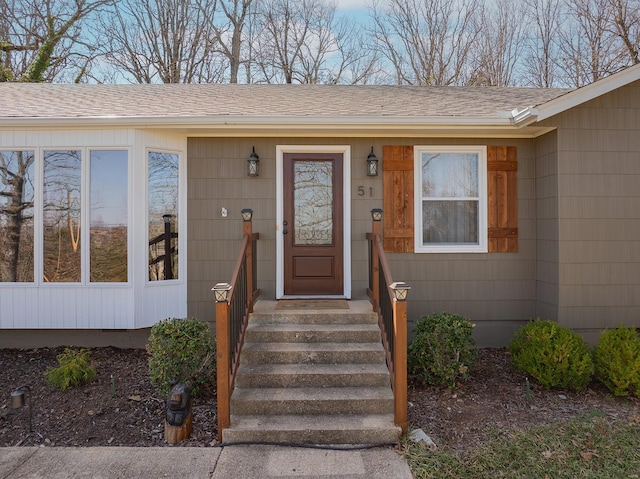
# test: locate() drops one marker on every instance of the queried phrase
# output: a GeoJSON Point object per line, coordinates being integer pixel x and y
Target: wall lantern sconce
{"type": "Point", "coordinates": [247, 214]}
{"type": "Point", "coordinates": [376, 214]}
{"type": "Point", "coordinates": [253, 163]}
{"type": "Point", "coordinates": [400, 290]}
{"type": "Point", "coordinates": [221, 292]}
{"type": "Point", "coordinates": [372, 164]}
{"type": "Point", "coordinates": [18, 401]}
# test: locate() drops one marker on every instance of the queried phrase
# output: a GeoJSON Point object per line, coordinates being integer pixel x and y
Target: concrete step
{"type": "Point", "coordinates": [312, 333]}
{"type": "Point", "coordinates": [316, 429]}
{"type": "Point", "coordinates": [312, 353]}
{"type": "Point", "coordinates": [312, 375]}
{"type": "Point", "coordinates": [312, 401]}
{"type": "Point", "coordinates": [313, 317]}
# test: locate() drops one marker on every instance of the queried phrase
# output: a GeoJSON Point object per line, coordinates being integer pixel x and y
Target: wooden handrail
{"type": "Point", "coordinates": [392, 319]}
{"type": "Point", "coordinates": [232, 316]}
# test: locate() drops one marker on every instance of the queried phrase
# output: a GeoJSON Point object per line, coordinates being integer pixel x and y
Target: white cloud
{"type": "Point", "coordinates": [352, 4]}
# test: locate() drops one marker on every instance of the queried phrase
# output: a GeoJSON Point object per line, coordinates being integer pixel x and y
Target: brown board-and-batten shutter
{"type": "Point", "coordinates": [502, 201]}
{"type": "Point", "coordinates": [397, 179]}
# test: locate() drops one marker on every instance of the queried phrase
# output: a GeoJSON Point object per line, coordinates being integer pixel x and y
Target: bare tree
{"type": "Point", "coordinates": [626, 25]}
{"type": "Point", "coordinates": [41, 39]}
{"type": "Point", "coordinates": [427, 42]}
{"type": "Point", "coordinates": [588, 51]}
{"type": "Point", "coordinates": [227, 22]}
{"type": "Point", "coordinates": [499, 48]}
{"type": "Point", "coordinates": [541, 52]}
{"type": "Point", "coordinates": [162, 41]}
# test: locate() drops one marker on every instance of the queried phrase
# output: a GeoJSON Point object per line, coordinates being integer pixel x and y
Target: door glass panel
{"type": "Point", "coordinates": [313, 202]}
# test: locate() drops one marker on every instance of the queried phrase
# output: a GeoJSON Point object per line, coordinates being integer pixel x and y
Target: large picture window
{"type": "Point", "coordinates": [163, 215]}
{"type": "Point", "coordinates": [450, 199]}
{"type": "Point", "coordinates": [16, 216]}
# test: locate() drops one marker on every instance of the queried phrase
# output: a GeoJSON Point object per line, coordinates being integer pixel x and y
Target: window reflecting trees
{"type": "Point", "coordinates": [163, 215]}
{"type": "Point", "coordinates": [16, 216]}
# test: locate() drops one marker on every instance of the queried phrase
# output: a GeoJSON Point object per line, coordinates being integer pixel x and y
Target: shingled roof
{"type": "Point", "coordinates": [67, 101]}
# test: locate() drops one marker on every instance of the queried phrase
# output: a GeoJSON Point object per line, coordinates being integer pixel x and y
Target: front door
{"type": "Point", "coordinates": [312, 224]}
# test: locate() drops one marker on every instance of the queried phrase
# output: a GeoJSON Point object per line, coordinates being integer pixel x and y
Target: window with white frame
{"type": "Point", "coordinates": [83, 186]}
{"type": "Point", "coordinates": [450, 199]}
{"type": "Point", "coordinates": [162, 215]}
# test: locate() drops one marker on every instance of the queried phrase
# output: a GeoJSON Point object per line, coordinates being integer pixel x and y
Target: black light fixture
{"type": "Point", "coordinates": [253, 163]}
{"type": "Point", "coordinates": [376, 214]}
{"type": "Point", "coordinates": [18, 401]}
{"type": "Point", "coordinates": [372, 164]}
{"type": "Point", "coordinates": [247, 214]}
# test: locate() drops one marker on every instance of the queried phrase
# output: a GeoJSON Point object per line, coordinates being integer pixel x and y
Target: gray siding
{"type": "Point", "coordinates": [599, 211]}
{"type": "Point", "coordinates": [547, 266]}
{"type": "Point", "coordinates": [497, 291]}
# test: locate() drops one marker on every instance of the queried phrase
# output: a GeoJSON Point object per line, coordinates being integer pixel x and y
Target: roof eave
{"type": "Point", "coordinates": [316, 126]}
{"type": "Point", "coordinates": [587, 93]}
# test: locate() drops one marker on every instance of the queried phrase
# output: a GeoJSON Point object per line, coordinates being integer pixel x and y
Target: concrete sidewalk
{"type": "Point", "coordinates": [246, 462]}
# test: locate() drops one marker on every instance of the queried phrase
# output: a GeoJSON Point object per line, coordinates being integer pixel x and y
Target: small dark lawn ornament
{"type": "Point", "coordinates": [179, 420]}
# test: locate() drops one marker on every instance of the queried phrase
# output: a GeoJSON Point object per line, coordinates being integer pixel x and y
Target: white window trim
{"type": "Point", "coordinates": [481, 246]}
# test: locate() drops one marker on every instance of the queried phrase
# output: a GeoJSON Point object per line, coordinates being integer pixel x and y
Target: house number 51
{"type": "Point", "coordinates": [362, 191]}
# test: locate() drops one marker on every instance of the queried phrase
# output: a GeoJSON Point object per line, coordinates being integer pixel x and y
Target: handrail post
{"type": "Point", "coordinates": [247, 230]}
{"type": "Point", "coordinates": [376, 232]}
{"type": "Point", "coordinates": [400, 291]}
{"type": "Point", "coordinates": [223, 352]}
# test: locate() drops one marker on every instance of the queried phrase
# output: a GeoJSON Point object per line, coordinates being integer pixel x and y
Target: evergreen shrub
{"type": "Point", "coordinates": [442, 350]}
{"type": "Point", "coordinates": [617, 361]}
{"type": "Point", "coordinates": [553, 354]}
{"type": "Point", "coordinates": [182, 350]}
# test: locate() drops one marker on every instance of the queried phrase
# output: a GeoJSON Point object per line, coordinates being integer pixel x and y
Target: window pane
{"type": "Point", "coordinates": [313, 202]}
{"type": "Point", "coordinates": [163, 216]}
{"type": "Point", "coordinates": [108, 216]}
{"type": "Point", "coordinates": [62, 207]}
{"type": "Point", "coordinates": [16, 216]}
{"type": "Point", "coordinates": [449, 175]}
{"type": "Point", "coordinates": [449, 222]}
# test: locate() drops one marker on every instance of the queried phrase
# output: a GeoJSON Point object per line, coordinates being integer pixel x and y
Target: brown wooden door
{"type": "Point", "coordinates": [313, 224]}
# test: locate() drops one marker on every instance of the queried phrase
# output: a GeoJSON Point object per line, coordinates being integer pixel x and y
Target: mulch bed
{"type": "Point", "coordinates": [493, 398]}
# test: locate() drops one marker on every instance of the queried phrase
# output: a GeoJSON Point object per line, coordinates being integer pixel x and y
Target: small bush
{"type": "Point", "coordinates": [182, 349]}
{"type": "Point", "coordinates": [442, 349]}
{"type": "Point", "coordinates": [617, 361]}
{"type": "Point", "coordinates": [553, 354]}
{"type": "Point", "coordinates": [73, 370]}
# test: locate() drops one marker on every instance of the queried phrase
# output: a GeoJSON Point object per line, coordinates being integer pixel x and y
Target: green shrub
{"type": "Point", "coordinates": [73, 370]}
{"type": "Point", "coordinates": [553, 354]}
{"type": "Point", "coordinates": [617, 361]}
{"type": "Point", "coordinates": [442, 349]}
{"type": "Point", "coordinates": [182, 349]}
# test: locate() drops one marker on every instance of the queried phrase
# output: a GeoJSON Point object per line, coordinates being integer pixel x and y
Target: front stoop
{"type": "Point", "coordinates": [313, 377]}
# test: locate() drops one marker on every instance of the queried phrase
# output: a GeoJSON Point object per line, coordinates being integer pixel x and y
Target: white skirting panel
{"type": "Point", "coordinates": [161, 301]}
{"type": "Point", "coordinates": [81, 307]}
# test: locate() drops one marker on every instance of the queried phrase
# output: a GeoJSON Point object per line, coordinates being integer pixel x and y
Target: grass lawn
{"type": "Point", "coordinates": [585, 448]}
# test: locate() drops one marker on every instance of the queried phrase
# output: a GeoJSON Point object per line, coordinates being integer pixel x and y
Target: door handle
{"type": "Point", "coordinates": [284, 232]}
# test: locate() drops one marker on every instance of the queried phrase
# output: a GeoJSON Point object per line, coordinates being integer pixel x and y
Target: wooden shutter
{"type": "Point", "coordinates": [502, 177]}
{"type": "Point", "coordinates": [397, 178]}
